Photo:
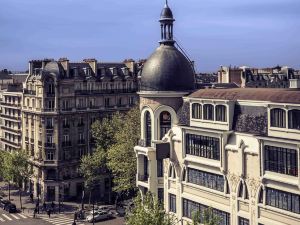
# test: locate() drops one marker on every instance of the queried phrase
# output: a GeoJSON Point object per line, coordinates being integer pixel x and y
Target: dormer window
{"type": "Point", "coordinates": [221, 114]}
{"type": "Point", "coordinates": [294, 119]}
{"type": "Point", "coordinates": [278, 118]}
{"type": "Point", "coordinates": [208, 112]}
{"type": "Point", "coordinates": [196, 111]}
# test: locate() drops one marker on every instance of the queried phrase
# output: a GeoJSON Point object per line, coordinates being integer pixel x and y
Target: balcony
{"type": "Point", "coordinates": [15, 144]}
{"type": "Point", "coordinates": [29, 92]}
{"type": "Point", "coordinates": [143, 178]}
{"type": "Point", "coordinates": [110, 91]}
{"type": "Point", "coordinates": [14, 117]}
{"type": "Point", "coordinates": [10, 104]}
{"type": "Point", "coordinates": [14, 130]}
{"type": "Point", "coordinates": [66, 126]}
{"type": "Point", "coordinates": [50, 94]}
{"type": "Point", "coordinates": [49, 127]}
{"type": "Point", "coordinates": [67, 109]}
{"type": "Point", "coordinates": [81, 142]}
{"type": "Point", "coordinates": [48, 110]}
{"type": "Point", "coordinates": [49, 145]}
{"type": "Point", "coordinates": [66, 144]}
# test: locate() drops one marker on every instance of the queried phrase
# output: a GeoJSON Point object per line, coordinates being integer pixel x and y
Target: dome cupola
{"type": "Point", "coordinates": [167, 69]}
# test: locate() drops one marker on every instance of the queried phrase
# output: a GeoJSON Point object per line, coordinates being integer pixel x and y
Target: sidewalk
{"type": "Point", "coordinates": [28, 206]}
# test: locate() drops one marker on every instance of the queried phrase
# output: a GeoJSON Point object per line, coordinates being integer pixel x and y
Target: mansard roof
{"type": "Point", "coordinates": [282, 95]}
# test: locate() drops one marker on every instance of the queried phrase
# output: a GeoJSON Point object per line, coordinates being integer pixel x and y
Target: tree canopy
{"type": "Point", "coordinates": [148, 211]}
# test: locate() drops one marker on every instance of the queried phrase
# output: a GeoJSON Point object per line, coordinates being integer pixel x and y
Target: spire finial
{"type": "Point", "coordinates": [166, 2]}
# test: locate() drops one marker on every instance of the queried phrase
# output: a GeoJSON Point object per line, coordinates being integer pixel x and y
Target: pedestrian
{"type": "Point", "coordinates": [75, 216]}
{"type": "Point", "coordinates": [49, 212]}
{"type": "Point", "coordinates": [34, 213]}
{"type": "Point", "coordinates": [31, 197]}
{"type": "Point", "coordinates": [37, 206]}
{"type": "Point", "coordinates": [74, 223]}
{"type": "Point", "coordinates": [52, 206]}
{"type": "Point", "coordinates": [44, 206]}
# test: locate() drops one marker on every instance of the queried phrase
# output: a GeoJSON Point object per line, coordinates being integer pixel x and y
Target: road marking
{"type": "Point", "coordinates": [2, 219]}
{"type": "Point", "coordinates": [6, 217]}
{"type": "Point", "coordinates": [14, 216]}
{"type": "Point", "coordinates": [22, 215]}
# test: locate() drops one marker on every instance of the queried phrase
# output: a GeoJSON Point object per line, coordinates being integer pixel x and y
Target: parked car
{"type": "Point", "coordinates": [3, 203]}
{"type": "Point", "coordinates": [99, 215]}
{"type": "Point", "coordinates": [11, 208]}
{"type": "Point", "coordinates": [121, 211]}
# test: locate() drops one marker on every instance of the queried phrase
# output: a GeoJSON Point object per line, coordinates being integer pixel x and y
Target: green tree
{"type": "Point", "coordinates": [16, 169]}
{"type": "Point", "coordinates": [92, 167]}
{"type": "Point", "coordinates": [207, 217]}
{"type": "Point", "coordinates": [148, 211]}
{"type": "Point", "coordinates": [121, 159]}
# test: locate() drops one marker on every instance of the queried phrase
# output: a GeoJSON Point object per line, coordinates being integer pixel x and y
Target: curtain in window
{"type": "Point", "coordinates": [221, 113]}
{"type": "Point", "coordinates": [294, 119]}
{"type": "Point", "coordinates": [208, 112]}
{"type": "Point", "coordinates": [278, 118]}
{"type": "Point", "coordinates": [196, 111]}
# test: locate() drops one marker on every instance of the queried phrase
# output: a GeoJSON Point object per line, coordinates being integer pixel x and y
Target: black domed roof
{"type": "Point", "coordinates": [167, 69]}
{"type": "Point", "coordinates": [166, 13]}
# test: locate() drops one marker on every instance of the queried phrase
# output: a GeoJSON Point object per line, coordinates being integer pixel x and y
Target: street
{"type": "Point", "coordinates": [57, 219]}
{"type": "Point", "coordinates": [26, 217]}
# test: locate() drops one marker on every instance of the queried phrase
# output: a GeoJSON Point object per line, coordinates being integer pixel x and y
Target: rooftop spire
{"type": "Point", "coordinates": [166, 23]}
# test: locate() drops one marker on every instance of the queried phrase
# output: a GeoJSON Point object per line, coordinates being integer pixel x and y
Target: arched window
{"type": "Point", "coordinates": [196, 111]}
{"type": "Point", "coordinates": [208, 112]}
{"type": "Point", "coordinates": [165, 123]}
{"type": "Point", "coordinates": [294, 119]}
{"type": "Point", "coordinates": [148, 128]}
{"type": "Point", "coordinates": [243, 191]}
{"type": "Point", "coordinates": [221, 114]}
{"type": "Point", "coordinates": [278, 118]}
{"type": "Point", "coordinates": [261, 195]}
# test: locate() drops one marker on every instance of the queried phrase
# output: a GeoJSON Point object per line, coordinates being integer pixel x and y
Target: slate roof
{"type": "Point", "coordinates": [283, 95]}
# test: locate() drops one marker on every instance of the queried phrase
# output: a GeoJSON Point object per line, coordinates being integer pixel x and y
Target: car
{"type": "Point", "coordinates": [98, 215]}
{"type": "Point", "coordinates": [3, 203]}
{"type": "Point", "coordinates": [121, 211]}
{"type": "Point", "coordinates": [105, 208]}
{"type": "Point", "coordinates": [11, 208]}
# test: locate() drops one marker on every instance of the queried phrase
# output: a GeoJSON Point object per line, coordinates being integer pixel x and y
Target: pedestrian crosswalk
{"type": "Point", "coordinates": [59, 220]}
{"type": "Point", "coordinates": [10, 217]}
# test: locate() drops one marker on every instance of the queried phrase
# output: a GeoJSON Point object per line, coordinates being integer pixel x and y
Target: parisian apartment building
{"type": "Point", "coordinates": [235, 150]}
{"type": "Point", "coordinates": [244, 76]}
{"type": "Point", "coordinates": [51, 114]}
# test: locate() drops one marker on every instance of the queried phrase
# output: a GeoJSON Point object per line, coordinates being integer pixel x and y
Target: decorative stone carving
{"type": "Point", "coordinates": [253, 185]}
{"type": "Point", "coordinates": [233, 181]}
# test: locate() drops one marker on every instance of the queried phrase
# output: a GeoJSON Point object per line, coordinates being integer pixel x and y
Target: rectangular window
{"type": "Point", "coordinates": [160, 195]}
{"type": "Point", "coordinates": [281, 160]}
{"type": "Point", "coordinates": [203, 146]}
{"type": "Point", "coordinates": [221, 114]}
{"type": "Point", "coordinates": [205, 179]}
{"type": "Point", "coordinates": [49, 139]}
{"type": "Point", "coordinates": [190, 207]}
{"type": "Point", "coordinates": [172, 203]}
{"type": "Point", "coordinates": [294, 119]}
{"type": "Point", "coordinates": [49, 123]}
{"type": "Point", "coordinates": [277, 118]}
{"type": "Point", "coordinates": [196, 111]}
{"type": "Point", "coordinates": [50, 155]}
{"type": "Point", "coordinates": [106, 102]}
{"type": "Point", "coordinates": [283, 200]}
{"type": "Point", "coordinates": [160, 171]}
{"type": "Point", "coordinates": [243, 221]}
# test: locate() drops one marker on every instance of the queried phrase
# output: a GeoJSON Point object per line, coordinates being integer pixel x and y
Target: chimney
{"type": "Point", "coordinates": [93, 64]}
{"type": "Point", "coordinates": [30, 69]}
{"type": "Point", "coordinates": [65, 64]}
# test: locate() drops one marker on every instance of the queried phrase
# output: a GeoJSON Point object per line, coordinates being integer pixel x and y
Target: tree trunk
{"type": "Point", "coordinates": [8, 190]}
{"type": "Point", "coordinates": [82, 199]}
{"type": "Point", "coordinates": [90, 198]}
{"type": "Point", "coordinates": [20, 193]}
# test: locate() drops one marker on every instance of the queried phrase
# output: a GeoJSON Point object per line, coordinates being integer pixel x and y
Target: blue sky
{"type": "Point", "coordinates": [257, 33]}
